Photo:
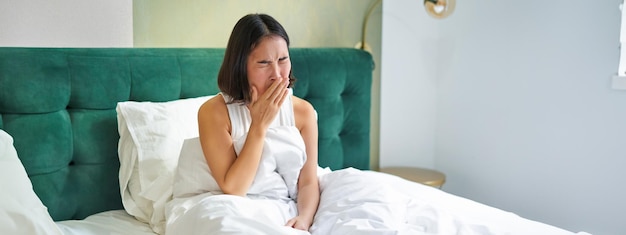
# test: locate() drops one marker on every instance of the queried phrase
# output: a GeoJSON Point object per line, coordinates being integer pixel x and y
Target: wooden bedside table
{"type": "Point", "coordinates": [420, 175]}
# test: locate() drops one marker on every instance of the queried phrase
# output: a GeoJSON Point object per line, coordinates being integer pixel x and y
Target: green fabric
{"type": "Point", "coordinates": [59, 106]}
{"type": "Point", "coordinates": [337, 82]}
{"type": "Point", "coordinates": [196, 71]}
{"type": "Point", "coordinates": [98, 82]}
{"type": "Point", "coordinates": [43, 141]}
{"type": "Point", "coordinates": [33, 82]}
{"type": "Point", "coordinates": [154, 79]}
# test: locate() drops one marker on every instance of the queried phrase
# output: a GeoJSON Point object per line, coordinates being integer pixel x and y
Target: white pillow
{"type": "Point", "coordinates": [193, 176]}
{"type": "Point", "coordinates": [20, 209]}
{"type": "Point", "coordinates": [151, 137]}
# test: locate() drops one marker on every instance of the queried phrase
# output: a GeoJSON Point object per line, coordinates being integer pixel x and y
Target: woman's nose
{"type": "Point", "coordinates": [275, 71]}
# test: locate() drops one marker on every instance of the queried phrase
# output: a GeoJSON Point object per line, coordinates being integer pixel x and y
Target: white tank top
{"type": "Point", "coordinates": [283, 154]}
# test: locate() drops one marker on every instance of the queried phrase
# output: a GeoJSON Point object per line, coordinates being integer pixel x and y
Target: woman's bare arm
{"type": "Point", "coordinates": [308, 185]}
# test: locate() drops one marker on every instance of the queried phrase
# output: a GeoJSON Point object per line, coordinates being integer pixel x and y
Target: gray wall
{"type": "Point", "coordinates": [519, 98]}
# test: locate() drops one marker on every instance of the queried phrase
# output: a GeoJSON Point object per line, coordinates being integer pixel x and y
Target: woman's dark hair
{"type": "Point", "coordinates": [232, 78]}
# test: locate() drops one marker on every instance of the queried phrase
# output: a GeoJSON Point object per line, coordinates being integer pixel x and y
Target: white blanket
{"type": "Point", "coordinates": [354, 202]}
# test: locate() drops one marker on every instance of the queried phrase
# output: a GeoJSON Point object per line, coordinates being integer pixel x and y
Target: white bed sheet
{"type": "Point", "coordinates": [116, 222]}
{"type": "Point", "coordinates": [362, 202]}
{"type": "Point", "coordinates": [352, 202]}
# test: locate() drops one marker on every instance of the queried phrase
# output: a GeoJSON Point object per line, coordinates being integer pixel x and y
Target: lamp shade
{"type": "Point", "coordinates": [439, 9]}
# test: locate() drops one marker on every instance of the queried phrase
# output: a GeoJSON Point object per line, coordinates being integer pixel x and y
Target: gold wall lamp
{"type": "Point", "coordinates": [437, 9]}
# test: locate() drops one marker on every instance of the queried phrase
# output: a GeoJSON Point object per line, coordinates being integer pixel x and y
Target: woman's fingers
{"type": "Point", "coordinates": [275, 91]}
{"type": "Point", "coordinates": [264, 107]}
{"type": "Point", "coordinates": [284, 94]}
{"type": "Point", "coordinates": [270, 90]}
{"type": "Point", "coordinates": [295, 223]}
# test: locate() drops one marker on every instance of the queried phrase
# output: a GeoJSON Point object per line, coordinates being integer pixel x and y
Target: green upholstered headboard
{"type": "Point", "coordinates": [59, 106]}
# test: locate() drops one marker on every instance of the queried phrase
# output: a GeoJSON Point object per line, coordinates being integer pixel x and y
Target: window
{"type": "Point", "coordinates": [619, 81]}
{"type": "Point", "coordinates": [622, 39]}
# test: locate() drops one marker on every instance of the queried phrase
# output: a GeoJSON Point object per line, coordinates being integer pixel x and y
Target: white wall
{"type": "Point", "coordinates": [66, 23]}
{"type": "Point", "coordinates": [524, 114]}
{"type": "Point", "coordinates": [408, 90]}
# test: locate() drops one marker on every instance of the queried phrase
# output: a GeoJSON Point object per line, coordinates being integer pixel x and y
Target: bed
{"type": "Point", "coordinates": [92, 140]}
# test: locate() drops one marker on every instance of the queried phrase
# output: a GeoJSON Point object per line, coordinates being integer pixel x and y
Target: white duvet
{"type": "Point", "coordinates": [353, 202]}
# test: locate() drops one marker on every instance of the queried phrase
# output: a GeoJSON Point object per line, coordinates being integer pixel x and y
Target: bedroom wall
{"type": "Point", "coordinates": [408, 90]}
{"type": "Point", "coordinates": [325, 23]}
{"type": "Point", "coordinates": [524, 115]}
{"type": "Point", "coordinates": [66, 23]}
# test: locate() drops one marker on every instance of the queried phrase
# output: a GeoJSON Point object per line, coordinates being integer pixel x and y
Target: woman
{"type": "Point", "coordinates": [258, 139]}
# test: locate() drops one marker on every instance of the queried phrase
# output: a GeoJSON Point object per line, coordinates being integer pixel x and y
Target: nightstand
{"type": "Point", "coordinates": [416, 174]}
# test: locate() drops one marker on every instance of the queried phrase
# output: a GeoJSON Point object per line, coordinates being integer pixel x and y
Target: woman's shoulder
{"type": "Point", "coordinates": [303, 110]}
{"type": "Point", "coordinates": [301, 105]}
{"type": "Point", "coordinates": [213, 107]}
{"type": "Point", "coordinates": [215, 101]}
